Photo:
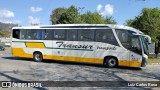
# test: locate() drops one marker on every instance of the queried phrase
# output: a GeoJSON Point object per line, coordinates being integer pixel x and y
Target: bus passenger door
{"type": "Point", "coordinates": [135, 60]}
{"type": "Point", "coordinates": [136, 52]}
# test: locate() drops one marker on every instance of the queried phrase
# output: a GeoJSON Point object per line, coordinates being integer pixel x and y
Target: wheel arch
{"type": "Point", "coordinates": [38, 50]}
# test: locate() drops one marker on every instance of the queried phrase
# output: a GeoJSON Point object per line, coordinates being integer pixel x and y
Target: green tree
{"type": "Point", "coordinates": [67, 16]}
{"type": "Point", "coordinates": [109, 20]}
{"type": "Point", "coordinates": [72, 15]}
{"type": "Point", "coordinates": [1, 34]}
{"type": "Point", "coordinates": [129, 22]}
{"type": "Point", "coordinates": [92, 18]}
{"type": "Point", "coordinates": [56, 14]}
{"type": "Point", "coordinates": [149, 23]}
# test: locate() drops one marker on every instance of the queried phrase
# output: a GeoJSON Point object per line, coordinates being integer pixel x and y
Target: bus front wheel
{"type": "Point", "coordinates": [37, 56]}
{"type": "Point", "coordinates": [110, 62]}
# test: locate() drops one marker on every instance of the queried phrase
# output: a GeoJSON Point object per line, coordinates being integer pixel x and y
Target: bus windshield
{"type": "Point", "coordinates": [144, 45]}
{"type": "Point", "coordinates": [129, 41]}
{"type": "Point", "coordinates": [136, 45]}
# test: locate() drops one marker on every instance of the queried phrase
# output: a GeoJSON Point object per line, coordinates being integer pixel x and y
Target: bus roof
{"type": "Point", "coordinates": [115, 26]}
{"type": "Point", "coordinates": [124, 27]}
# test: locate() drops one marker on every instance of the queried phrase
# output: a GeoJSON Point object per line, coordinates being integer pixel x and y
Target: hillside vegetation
{"type": "Point", "coordinates": [5, 29]}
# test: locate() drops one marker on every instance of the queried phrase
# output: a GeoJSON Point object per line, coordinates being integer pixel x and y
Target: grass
{"type": "Point", "coordinates": [153, 61]}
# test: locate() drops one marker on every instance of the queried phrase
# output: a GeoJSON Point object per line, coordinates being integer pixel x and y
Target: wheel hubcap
{"type": "Point", "coordinates": [37, 57]}
{"type": "Point", "coordinates": [112, 62]}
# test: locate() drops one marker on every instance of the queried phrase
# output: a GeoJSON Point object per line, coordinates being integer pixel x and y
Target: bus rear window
{"type": "Point", "coordinates": [16, 33]}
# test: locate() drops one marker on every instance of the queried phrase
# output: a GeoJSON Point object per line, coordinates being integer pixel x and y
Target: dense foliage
{"type": "Point", "coordinates": [148, 22]}
{"type": "Point", "coordinates": [72, 15]}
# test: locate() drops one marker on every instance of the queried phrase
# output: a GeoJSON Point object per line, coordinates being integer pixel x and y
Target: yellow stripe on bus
{"type": "Point", "coordinates": [135, 63]}
{"type": "Point", "coordinates": [75, 59]}
{"type": "Point", "coordinates": [19, 52]}
{"type": "Point", "coordinates": [130, 63]}
{"type": "Point", "coordinates": [35, 45]}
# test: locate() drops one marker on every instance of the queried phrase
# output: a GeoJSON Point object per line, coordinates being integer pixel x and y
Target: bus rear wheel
{"type": "Point", "coordinates": [37, 56]}
{"type": "Point", "coordinates": [110, 62]}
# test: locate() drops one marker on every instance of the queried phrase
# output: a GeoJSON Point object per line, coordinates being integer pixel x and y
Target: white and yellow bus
{"type": "Point", "coordinates": [110, 45]}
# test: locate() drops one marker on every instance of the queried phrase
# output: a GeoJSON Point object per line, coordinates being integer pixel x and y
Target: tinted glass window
{"type": "Point", "coordinates": [145, 46]}
{"type": "Point", "coordinates": [48, 34]}
{"type": "Point", "coordinates": [23, 34]}
{"type": "Point", "coordinates": [129, 41]}
{"type": "Point", "coordinates": [136, 45]}
{"type": "Point", "coordinates": [59, 35]}
{"type": "Point", "coordinates": [86, 35]}
{"type": "Point", "coordinates": [31, 34]}
{"type": "Point", "coordinates": [124, 37]}
{"type": "Point", "coordinates": [72, 35]}
{"type": "Point", "coordinates": [106, 36]}
{"type": "Point", "coordinates": [41, 34]}
{"type": "Point", "coordinates": [36, 34]}
{"type": "Point", "coordinates": [16, 33]}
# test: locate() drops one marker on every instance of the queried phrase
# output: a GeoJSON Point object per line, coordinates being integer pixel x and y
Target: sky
{"type": "Point", "coordinates": [27, 12]}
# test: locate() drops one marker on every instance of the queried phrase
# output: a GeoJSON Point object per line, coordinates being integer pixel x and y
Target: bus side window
{"type": "Point", "coordinates": [40, 35]}
{"type": "Point", "coordinates": [48, 35]}
{"type": "Point", "coordinates": [31, 34]}
{"type": "Point", "coordinates": [124, 37]}
{"type": "Point", "coordinates": [81, 38]}
{"type": "Point", "coordinates": [16, 34]}
{"type": "Point", "coordinates": [43, 34]}
{"type": "Point", "coordinates": [37, 35]}
{"type": "Point", "coordinates": [72, 35]}
{"type": "Point", "coordinates": [23, 34]}
{"type": "Point", "coordinates": [106, 36]}
{"type": "Point", "coordinates": [59, 35]}
{"type": "Point", "coordinates": [86, 35]}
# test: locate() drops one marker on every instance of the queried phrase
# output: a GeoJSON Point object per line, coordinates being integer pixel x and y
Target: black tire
{"type": "Point", "coordinates": [110, 62]}
{"type": "Point", "coordinates": [37, 57]}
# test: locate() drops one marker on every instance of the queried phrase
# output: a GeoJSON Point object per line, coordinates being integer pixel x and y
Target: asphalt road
{"type": "Point", "coordinates": [20, 69]}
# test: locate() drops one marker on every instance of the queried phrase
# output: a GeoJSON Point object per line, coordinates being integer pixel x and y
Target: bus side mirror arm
{"type": "Point", "coordinates": [148, 38]}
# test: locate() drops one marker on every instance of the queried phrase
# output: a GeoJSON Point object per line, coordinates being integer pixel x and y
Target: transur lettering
{"type": "Point", "coordinates": [61, 44]}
